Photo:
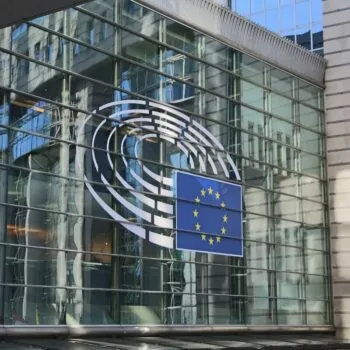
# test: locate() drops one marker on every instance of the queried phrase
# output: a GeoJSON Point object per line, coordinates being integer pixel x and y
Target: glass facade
{"type": "Point", "coordinates": [82, 179]}
{"type": "Point", "coordinates": [298, 20]}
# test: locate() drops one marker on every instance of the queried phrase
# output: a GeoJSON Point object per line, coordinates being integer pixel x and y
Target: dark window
{"type": "Point", "coordinates": [91, 32]}
{"type": "Point", "coordinates": [261, 145]}
{"type": "Point", "coordinates": [304, 40]}
{"type": "Point", "coordinates": [60, 43]}
{"type": "Point", "coordinates": [279, 150]}
{"type": "Point", "coordinates": [48, 51]}
{"type": "Point", "coordinates": [104, 27]}
{"type": "Point", "coordinates": [37, 51]}
{"type": "Point", "coordinates": [251, 150]}
{"type": "Point", "coordinates": [317, 39]}
{"type": "Point", "coordinates": [289, 153]}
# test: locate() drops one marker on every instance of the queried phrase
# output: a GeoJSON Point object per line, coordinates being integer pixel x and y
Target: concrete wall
{"type": "Point", "coordinates": [337, 52]}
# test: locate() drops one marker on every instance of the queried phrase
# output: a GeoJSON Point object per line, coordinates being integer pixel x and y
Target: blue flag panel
{"type": "Point", "coordinates": [209, 216]}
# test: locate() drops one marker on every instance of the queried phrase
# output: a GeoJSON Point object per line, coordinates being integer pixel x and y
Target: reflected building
{"type": "Point", "coordinates": [70, 80]}
{"type": "Point", "coordinates": [299, 20]}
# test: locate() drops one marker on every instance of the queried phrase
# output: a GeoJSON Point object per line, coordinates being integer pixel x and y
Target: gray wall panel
{"type": "Point", "coordinates": [337, 104]}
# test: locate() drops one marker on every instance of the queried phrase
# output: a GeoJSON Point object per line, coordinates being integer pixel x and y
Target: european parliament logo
{"type": "Point", "coordinates": [209, 215]}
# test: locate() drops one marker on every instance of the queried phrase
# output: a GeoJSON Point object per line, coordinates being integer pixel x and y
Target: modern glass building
{"type": "Point", "coordinates": [299, 20]}
{"type": "Point", "coordinates": [101, 106]}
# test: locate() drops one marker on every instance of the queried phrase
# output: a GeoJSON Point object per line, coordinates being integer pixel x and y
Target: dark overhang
{"type": "Point", "coordinates": [17, 11]}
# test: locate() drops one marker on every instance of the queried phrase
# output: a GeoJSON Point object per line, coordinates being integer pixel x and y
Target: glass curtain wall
{"type": "Point", "coordinates": [66, 260]}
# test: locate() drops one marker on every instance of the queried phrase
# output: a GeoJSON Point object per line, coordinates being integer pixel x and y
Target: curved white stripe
{"type": "Point", "coordinates": [199, 136]}
{"type": "Point", "coordinates": [223, 165]}
{"type": "Point", "coordinates": [170, 126]}
{"type": "Point", "coordinates": [137, 230]}
{"type": "Point", "coordinates": [160, 179]}
{"type": "Point", "coordinates": [93, 144]}
{"type": "Point", "coordinates": [133, 208]}
{"type": "Point", "coordinates": [209, 134]}
{"type": "Point", "coordinates": [233, 166]}
{"type": "Point", "coordinates": [171, 110]}
{"type": "Point", "coordinates": [128, 112]}
{"type": "Point", "coordinates": [167, 132]}
{"type": "Point", "coordinates": [139, 120]}
{"type": "Point", "coordinates": [161, 240]}
{"type": "Point", "coordinates": [169, 118]}
{"type": "Point", "coordinates": [141, 181]}
{"type": "Point", "coordinates": [148, 201]}
{"type": "Point", "coordinates": [117, 103]}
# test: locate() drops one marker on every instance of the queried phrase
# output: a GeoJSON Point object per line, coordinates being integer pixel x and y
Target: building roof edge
{"type": "Point", "coordinates": [241, 33]}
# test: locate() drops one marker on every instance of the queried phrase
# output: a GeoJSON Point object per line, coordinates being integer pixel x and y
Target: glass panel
{"type": "Point", "coordinates": [290, 311]}
{"type": "Point", "coordinates": [286, 184]}
{"type": "Point", "coordinates": [304, 37]}
{"type": "Point", "coordinates": [281, 106]}
{"type": "Point", "coordinates": [311, 165]}
{"type": "Point", "coordinates": [252, 95]}
{"type": "Point", "coordinates": [257, 5]}
{"type": "Point", "coordinates": [313, 213]}
{"type": "Point", "coordinates": [317, 38]}
{"type": "Point", "coordinates": [251, 69]}
{"type": "Point", "coordinates": [310, 142]}
{"type": "Point", "coordinates": [243, 7]}
{"type": "Point", "coordinates": [259, 18]}
{"type": "Point", "coordinates": [287, 207]}
{"type": "Point", "coordinates": [287, 18]}
{"type": "Point", "coordinates": [312, 188]}
{"type": "Point", "coordinates": [302, 10]}
{"type": "Point", "coordinates": [310, 118]}
{"type": "Point", "coordinates": [281, 82]}
{"type": "Point", "coordinates": [309, 94]}
{"type": "Point", "coordinates": [317, 312]}
{"type": "Point", "coordinates": [272, 20]}
{"type": "Point", "coordinates": [316, 262]}
{"type": "Point", "coordinates": [259, 309]}
{"type": "Point", "coordinates": [315, 238]}
{"type": "Point", "coordinates": [139, 18]}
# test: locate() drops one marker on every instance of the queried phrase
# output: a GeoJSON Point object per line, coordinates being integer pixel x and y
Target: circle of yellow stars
{"type": "Point", "coordinates": [206, 236]}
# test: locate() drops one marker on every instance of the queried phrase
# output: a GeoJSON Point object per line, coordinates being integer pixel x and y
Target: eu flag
{"type": "Point", "coordinates": [209, 216]}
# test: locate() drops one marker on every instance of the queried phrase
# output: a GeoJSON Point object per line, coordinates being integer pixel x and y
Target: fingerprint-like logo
{"type": "Point", "coordinates": [144, 121]}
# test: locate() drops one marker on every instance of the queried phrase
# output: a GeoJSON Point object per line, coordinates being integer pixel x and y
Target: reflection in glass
{"type": "Point", "coordinates": [287, 18]}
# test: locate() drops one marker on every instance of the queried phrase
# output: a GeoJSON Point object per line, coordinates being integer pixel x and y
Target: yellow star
{"type": "Point", "coordinates": [195, 213]}
{"type": "Point", "coordinates": [225, 218]}
{"type": "Point", "coordinates": [211, 241]}
{"type": "Point", "coordinates": [218, 239]}
{"type": "Point", "coordinates": [223, 230]}
{"type": "Point", "coordinates": [198, 226]}
{"type": "Point", "coordinates": [210, 190]}
{"type": "Point", "coordinates": [197, 200]}
{"type": "Point", "coordinates": [223, 205]}
{"type": "Point", "coordinates": [204, 237]}
{"type": "Point", "coordinates": [203, 192]}
{"type": "Point", "coordinates": [217, 195]}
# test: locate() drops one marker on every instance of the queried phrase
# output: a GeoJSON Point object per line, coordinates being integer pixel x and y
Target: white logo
{"type": "Point", "coordinates": [147, 120]}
